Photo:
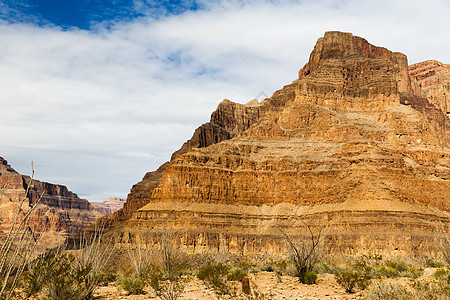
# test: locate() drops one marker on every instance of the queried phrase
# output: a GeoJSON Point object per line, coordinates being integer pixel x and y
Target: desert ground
{"type": "Point", "coordinates": [269, 284]}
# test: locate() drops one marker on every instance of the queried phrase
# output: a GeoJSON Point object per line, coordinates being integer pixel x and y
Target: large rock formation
{"type": "Point", "coordinates": [59, 210]}
{"type": "Point", "coordinates": [226, 122]}
{"type": "Point", "coordinates": [353, 145]}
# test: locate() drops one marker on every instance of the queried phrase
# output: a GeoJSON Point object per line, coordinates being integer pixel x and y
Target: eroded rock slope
{"type": "Point", "coordinates": [356, 145]}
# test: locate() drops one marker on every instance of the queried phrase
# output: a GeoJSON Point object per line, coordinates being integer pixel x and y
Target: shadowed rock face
{"type": "Point", "coordinates": [351, 145]}
{"type": "Point", "coordinates": [59, 210]}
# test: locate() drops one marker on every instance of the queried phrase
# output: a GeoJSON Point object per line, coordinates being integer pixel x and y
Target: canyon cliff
{"type": "Point", "coordinates": [59, 212]}
{"type": "Point", "coordinates": [357, 144]}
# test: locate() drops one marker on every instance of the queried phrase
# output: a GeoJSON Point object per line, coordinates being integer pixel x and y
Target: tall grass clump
{"type": "Point", "coordinates": [62, 274]}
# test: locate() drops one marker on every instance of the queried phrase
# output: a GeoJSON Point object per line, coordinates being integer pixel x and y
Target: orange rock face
{"type": "Point", "coordinates": [59, 209]}
{"type": "Point", "coordinates": [433, 81]}
{"type": "Point", "coordinates": [353, 145]}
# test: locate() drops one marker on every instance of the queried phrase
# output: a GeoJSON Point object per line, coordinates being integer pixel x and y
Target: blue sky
{"type": "Point", "coordinates": [97, 93]}
{"type": "Point", "coordinates": [84, 14]}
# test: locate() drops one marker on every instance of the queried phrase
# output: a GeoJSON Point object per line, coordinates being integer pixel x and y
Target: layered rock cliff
{"type": "Point", "coordinates": [109, 206]}
{"type": "Point", "coordinates": [59, 210]}
{"type": "Point", "coordinates": [353, 145]}
{"type": "Point", "coordinates": [432, 80]}
{"type": "Point", "coordinates": [226, 122]}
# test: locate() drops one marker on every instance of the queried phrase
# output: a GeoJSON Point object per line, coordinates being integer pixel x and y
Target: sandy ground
{"type": "Point", "coordinates": [289, 288]}
{"type": "Point", "coordinates": [267, 282]}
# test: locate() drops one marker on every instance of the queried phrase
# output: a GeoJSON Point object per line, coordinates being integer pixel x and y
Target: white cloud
{"type": "Point", "coordinates": [97, 109]}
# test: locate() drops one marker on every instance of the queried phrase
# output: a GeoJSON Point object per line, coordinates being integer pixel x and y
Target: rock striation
{"type": "Point", "coordinates": [354, 144]}
{"type": "Point", "coordinates": [432, 80]}
{"type": "Point", "coordinates": [59, 210]}
{"type": "Point", "coordinates": [226, 122]}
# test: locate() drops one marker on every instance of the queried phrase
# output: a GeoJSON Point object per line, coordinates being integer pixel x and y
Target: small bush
{"type": "Point", "coordinates": [388, 271]}
{"type": "Point", "coordinates": [441, 273]}
{"type": "Point", "coordinates": [310, 277]}
{"type": "Point", "coordinates": [389, 291]}
{"type": "Point", "coordinates": [431, 290]}
{"type": "Point", "coordinates": [267, 268]}
{"type": "Point", "coordinates": [106, 278]}
{"type": "Point", "coordinates": [133, 285]}
{"type": "Point", "coordinates": [236, 274]}
{"type": "Point", "coordinates": [435, 263]}
{"type": "Point", "coordinates": [349, 279]}
{"type": "Point", "coordinates": [214, 275]}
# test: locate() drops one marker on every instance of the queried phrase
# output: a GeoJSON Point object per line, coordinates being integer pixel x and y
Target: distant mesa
{"type": "Point", "coordinates": [60, 212]}
{"type": "Point", "coordinates": [109, 206]}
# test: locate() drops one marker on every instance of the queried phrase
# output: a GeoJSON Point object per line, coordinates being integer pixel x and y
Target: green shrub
{"type": "Point", "coordinates": [431, 290]}
{"type": "Point", "coordinates": [442, 273]}
{"type": "Point", "coordinates": [435, 263]}
{"type": "Point", "coordinates": [349, 279]}
{"type": "Point", "coordinates": [236, 274]}
{"type": "Point", "coordinates": [105, 278]}
{"type": "Point", "coordinates": [400, 266]}
{"type": "Point", "coordinates": [267, 268]}
{"type": "Point", "coordinates": [310, 277]}
{"type": "Point", "coordinates": [390, 291]}
{"type": "Point", "coordinates": [392, 269]}
{"type": "Point", "coordinates": [388, 271]}
{"type": "Point", "coordinates": [133, 285]}
{"type": "Point", "coordinates": [214, 274]}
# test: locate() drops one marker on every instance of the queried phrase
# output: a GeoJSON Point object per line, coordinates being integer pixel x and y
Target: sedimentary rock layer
{"type": "Point", "coordinates": [353, 145]}
{"type": "Point", "coordinates": [433, 81]}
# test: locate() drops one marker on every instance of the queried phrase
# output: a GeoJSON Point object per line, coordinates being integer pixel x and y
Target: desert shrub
{"type": "Point", "coordinates": [35, 277]}
{"type": "Point", "coordinates": [305, 253]}
{"type": "Point", "coordinates": [322, 267]}
{"type": "Point", "coordinates": [390, 291]}
{"type": "Point", "coordinates": [393, 269]}
{"type": "Point", "coordinates": [268, 268]}
{"type": "Point", "coordinates": [58, 274]}
{"type": "Point", "coordinates": [62, 280]}
{"type": "Point", "coordinates": [435, 263]}
{"type": "Point", "coordinates": [350, 279]}
{"type": "Point", "coordinates": [105, 278]}
{"type": "Point", "coordinates": [165, 276]}
{"type": "Point", "coordinates": [132, 285]}
{"type": "Point", "coordinates": [236, 274]}
{"type": "Point", "coordinates": [431, 290]}
{"type": "Point", "coordinates": [310, 277]}
{"type": "Point", "coordinates": [214, 274]}
{"type": "Point", "coordinates": [442, 273]}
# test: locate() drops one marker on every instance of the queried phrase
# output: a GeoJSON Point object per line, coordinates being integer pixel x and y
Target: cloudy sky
{"type": "Point", "coordinates": [98, 92]}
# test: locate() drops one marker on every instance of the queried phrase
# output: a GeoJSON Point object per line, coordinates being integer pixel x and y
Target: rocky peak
{"type": "Point", "coordinates": [5, 167]}
{"type": "Point", "coordinates": [339, 45]}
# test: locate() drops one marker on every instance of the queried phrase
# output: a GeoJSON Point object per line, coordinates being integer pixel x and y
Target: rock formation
{"type": "Point", "coordinates": [356, 145]}
{"type": "Point", "coordinates": [226, 122]}
{"type": "Point", "coordinates": [432, 80]}
{"type": "Point", "coordinates": [109, 206]}
{"type": "Point", "coordinates": [59, 211]}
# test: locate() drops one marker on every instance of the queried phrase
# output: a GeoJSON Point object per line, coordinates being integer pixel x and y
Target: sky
{"type": "Point", "coordinates": [97, 93]}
